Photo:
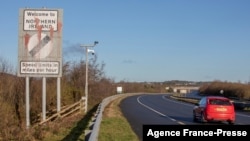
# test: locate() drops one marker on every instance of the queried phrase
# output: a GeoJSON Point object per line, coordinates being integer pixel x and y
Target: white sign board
{"type": "Point", "coordinates": [119, 90]}
{"type": "Point", "coordinates": [40, 42]}
{"type": "Point", "coordinates": [46, 19]}
{"type": "Point", "coordinates": [48, 68]}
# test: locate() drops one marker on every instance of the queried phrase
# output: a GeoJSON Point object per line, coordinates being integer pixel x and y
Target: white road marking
{"type": "Point", "coordinates": [138, 100]}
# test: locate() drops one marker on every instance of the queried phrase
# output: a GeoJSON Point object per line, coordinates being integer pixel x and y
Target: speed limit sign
{"type": "Point", "coordinates": [40, 48]}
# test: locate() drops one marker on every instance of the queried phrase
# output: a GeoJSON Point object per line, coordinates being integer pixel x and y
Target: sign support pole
{"type": "Point", "coordinates": [44, 100]}
{"type": "Point", "coordinates": [27, 102]}
{"type": "Point", "coordinates": [58, 94]}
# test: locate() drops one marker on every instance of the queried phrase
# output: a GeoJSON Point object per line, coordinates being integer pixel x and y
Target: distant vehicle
{"type": "Point", "coordinates": [214, 108]}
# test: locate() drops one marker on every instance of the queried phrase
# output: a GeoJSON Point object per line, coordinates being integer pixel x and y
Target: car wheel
{"type": "Point", "coordinates": [231, 122]}
{"type": "Point", "coordinates": [203, 119]}
{"type": "Point", "coordinates": [194, 117]}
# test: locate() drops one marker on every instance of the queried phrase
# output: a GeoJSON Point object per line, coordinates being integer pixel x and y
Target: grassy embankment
{"type": "Point", "coordinates": [114, 125]}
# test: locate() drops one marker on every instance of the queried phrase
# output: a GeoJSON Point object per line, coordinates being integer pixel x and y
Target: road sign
{"type": "Point", "coordinates": [40, 42]}
{"type": "Point", "coordinates": [46, 18]}
{"type": "Point", "coordinates": [40, 49]}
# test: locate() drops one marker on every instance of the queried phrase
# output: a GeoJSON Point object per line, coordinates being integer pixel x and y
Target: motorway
{"type": "Point", "coordinates": [160, 109]}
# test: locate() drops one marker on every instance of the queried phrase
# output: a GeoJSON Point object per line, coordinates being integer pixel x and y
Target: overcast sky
{"type": "Point", "coordinates": [148, 40]}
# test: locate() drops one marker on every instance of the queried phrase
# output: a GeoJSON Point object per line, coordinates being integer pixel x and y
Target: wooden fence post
{"type": "Point", "coordinates": [82, 104]}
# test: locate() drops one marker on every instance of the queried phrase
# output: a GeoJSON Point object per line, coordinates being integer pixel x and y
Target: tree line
{"type": "Point", "coordinates": [228, 89]}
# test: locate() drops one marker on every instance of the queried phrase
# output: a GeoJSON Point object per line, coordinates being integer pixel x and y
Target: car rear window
{"type": "Point", "coordinates": [219, 102]}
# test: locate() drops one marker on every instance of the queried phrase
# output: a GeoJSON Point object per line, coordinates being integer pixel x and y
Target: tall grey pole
{"type": "Point", "coordinates": [86, 81]}
{"type": "Point", "coordinates": [27, 102]}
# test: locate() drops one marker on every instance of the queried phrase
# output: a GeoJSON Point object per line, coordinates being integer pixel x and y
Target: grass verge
{"type": "Point", "coordinates": [114, 126]}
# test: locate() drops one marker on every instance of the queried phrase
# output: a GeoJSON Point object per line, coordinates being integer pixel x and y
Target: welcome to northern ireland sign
{"type": "Point", "coordinates": [40, 42]}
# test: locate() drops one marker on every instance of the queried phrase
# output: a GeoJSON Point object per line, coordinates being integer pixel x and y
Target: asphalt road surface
{"type": "Point", "coordinates": [160, 109]}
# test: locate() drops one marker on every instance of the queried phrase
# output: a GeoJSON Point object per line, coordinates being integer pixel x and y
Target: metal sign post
{"type": "Point", "coordinates": [58, 94]}
{"type": "Point", "coordinates": [44, 100]}
{"type": "Point", "coordinates": [27, 95]}
{"type": "Point", "coordinates": [40, 50]}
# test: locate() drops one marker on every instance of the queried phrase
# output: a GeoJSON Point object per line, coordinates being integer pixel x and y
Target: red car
{"type": "Point", "coordinates": [214, 108]}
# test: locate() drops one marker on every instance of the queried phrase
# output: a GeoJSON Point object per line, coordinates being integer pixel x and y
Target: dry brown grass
{"type": "Point", "coordinates": [111, 109]}
{"type": "Point", "coordinates": [114, 125]}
